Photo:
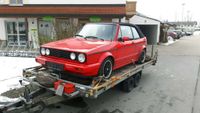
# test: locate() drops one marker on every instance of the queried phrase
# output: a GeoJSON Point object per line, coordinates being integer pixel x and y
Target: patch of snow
{"type": "Point", "coordinates": [10, 84]}
{"type": "Point", "coordinates": [196, 33]}
{"type": "Point", "coordinates": [11, 69]}
{"type": "Point", "coordinates": [5, 100]}
{"type": "Point", "coordinates": [170, 41]}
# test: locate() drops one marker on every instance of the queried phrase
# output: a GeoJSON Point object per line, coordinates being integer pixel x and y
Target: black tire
{"type": "Point", "coordinates": [127, 85]}
{"type": "Point", "coordinates": [106, 68]}
{"type": "Point", "coordinates": [142, 57]}
{"type": "Point", "coordinates": [137, 78]}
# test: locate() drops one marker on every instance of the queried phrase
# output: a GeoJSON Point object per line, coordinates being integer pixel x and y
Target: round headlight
{"type": "Point", "coordinates": [47, 52]}
{"type": "Point", "coordinates": [73, 56]}
{"type": "Point", "coordinates": [81, 58]}
{"type": "Point", "coordinates": [42, 51]}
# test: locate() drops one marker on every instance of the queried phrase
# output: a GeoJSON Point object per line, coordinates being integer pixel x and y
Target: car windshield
{"type": "Point", "coordinates": [98, 31]}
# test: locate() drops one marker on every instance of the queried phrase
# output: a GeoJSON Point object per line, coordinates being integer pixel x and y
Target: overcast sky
{"type": "Point", "coordinates": [171, 10]}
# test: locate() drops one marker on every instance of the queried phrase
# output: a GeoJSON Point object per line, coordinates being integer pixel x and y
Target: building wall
{"type": "Point", "coordinates": [33, 32]}
{"type": "Point", "coordinates": [69, 1]}
{"type": "Point", "coordinates": [141, 20]}
{"type": "Point", "coordinates": [2, 29]}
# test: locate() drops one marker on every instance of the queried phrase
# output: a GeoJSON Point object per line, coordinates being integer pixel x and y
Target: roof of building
{"type": "Point", "coordinates": [68, 2]}
{"type": "Point", "coordinates": [142, 15]}
{"type": "Point", "coordinates": [63, 11]}
{"type": "Point", "coordinates": [67, 8]}
{"type": "Point", "coordinates": [185, 23]}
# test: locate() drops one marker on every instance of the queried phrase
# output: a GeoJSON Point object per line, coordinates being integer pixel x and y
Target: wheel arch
{"type": "Point", "coordinates": [107, 55]}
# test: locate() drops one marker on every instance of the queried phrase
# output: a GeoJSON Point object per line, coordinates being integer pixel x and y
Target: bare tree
{"type": "Point", "coordinates": [65, 28]}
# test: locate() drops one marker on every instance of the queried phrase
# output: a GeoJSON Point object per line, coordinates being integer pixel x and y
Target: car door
{"type": "Point", "coordinates": [125, 49]}
{"type": "Point", "coordinates": [138, 43]}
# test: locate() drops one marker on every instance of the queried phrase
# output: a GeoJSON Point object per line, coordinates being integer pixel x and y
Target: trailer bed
{"type": "Point", "coordinates": [98, 85]}
{"type": "Point", "coordinates": [44, 95]}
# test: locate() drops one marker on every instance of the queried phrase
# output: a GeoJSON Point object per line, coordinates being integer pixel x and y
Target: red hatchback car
{"type": "Point", "coordinates": [96, 50]}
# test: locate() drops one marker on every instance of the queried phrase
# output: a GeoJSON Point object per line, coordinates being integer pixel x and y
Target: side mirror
{"type": "Point", "coordinates": [125, 38]}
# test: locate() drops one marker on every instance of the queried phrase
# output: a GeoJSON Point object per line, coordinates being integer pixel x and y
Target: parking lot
{"type": "Point", "coordinates": [169, 87]}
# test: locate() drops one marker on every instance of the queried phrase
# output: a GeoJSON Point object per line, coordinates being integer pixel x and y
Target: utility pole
{"type": "Point", "coordinates": [183, 7]}
{"type": "Point", "coordinates": [188, 15]}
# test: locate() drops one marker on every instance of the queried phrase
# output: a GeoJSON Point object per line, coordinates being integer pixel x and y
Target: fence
{"type": "Point", "coordinates": [18, 51]}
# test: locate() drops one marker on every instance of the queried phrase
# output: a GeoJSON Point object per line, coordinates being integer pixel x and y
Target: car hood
{"type": "Point", "coordinates": [80, 45]}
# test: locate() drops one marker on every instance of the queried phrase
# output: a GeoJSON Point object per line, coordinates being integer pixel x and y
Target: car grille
{"type": "Point", "coordinates": [59, 53]}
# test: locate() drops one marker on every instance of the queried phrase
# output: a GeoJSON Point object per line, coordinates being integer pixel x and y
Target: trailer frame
{"type": "Point", "coordinates": [98, 86]}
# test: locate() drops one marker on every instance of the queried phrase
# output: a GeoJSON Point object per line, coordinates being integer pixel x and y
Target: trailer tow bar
{"type": "Point", "coordinates": [31, 102]}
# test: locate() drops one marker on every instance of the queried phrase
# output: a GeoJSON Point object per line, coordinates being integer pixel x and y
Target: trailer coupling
{"type": "Point", "coordinates": [30, 101]}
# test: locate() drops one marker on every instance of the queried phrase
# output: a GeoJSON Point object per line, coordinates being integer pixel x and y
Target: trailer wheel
{"type": "Point", "coordinates": [106, 68]}
{"type": "Point", "coordinates": [137, 78]}
{"type": "Point", "coordinates": [128, 85]}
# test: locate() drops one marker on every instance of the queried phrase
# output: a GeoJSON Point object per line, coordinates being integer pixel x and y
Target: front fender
{"type": "Point", "coordinates": [104, 56]}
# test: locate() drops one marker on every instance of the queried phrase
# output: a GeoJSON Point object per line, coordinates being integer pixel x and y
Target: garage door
{"type": "Point", "coordinates": [151, 32]}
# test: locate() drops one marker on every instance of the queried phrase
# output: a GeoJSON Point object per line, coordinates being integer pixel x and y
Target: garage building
{"type": "Point", "coordinates": [149, 26]}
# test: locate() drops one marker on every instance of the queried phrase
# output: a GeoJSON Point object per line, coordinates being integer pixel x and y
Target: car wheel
{"type": "Point", "coordinates": [142, 57]}
{"type": "Point", "coordinates": [106, 68]}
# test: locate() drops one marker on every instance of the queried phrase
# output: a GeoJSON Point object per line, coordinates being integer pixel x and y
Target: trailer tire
{"type": "Point", "coordinates": [127, 85]}
{"type": "Point", "coordinates": [137, 78]}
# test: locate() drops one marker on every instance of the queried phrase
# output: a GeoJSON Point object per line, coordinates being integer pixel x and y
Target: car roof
{"type": "Point", "coordinates": [121, 23]}
{"type": "Point", "coordinates": [114, 23]}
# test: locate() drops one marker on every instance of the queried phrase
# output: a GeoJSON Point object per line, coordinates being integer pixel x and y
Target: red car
{"type": "Point", "coordinates": [96, 50]}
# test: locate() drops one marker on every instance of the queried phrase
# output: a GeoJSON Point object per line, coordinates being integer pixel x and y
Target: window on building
{"type": "Point", "coordinates": [16, 2]}
{"type": "Point", "coordinates": [16, 33]}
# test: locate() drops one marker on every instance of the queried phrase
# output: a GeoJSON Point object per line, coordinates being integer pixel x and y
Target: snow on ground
{"type": "Point", "coordinates": [196, 33]}
{"type": "Point", "coordinates": [170, 41]}
{"type": "Point", "coordinates": [11, 71]}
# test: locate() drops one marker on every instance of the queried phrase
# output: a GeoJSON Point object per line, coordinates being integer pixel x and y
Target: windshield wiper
{"type": "Point", "coordinates": [79, 35]}
{"type": "Point", "coordinates": [94, 37]}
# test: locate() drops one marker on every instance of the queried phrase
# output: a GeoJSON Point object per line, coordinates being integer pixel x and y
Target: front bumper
{"type": "Point", "coordinates": [72, 67]}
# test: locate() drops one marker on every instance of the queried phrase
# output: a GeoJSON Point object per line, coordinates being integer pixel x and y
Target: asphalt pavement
{"type": "Point", "coordinates": [172, 86]}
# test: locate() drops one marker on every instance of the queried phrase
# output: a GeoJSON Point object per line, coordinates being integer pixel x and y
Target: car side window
{"type": "Point", "coordinates": [135, 33]}
{"type": "Point", "coordinates": [126, 32]}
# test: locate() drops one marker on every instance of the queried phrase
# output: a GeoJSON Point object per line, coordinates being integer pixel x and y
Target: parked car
{"type": "Point", "coordinates": [172, 34]}
{"type": "Point", "coordinates": [179, 33]}
{"type": "Point", "coordinates": [96, 50]}
{"type": "Point", "coordinates": [188, 33]}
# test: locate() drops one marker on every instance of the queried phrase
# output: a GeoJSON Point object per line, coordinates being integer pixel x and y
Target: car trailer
{"type": "Point", "coordinates": [46, 88]}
